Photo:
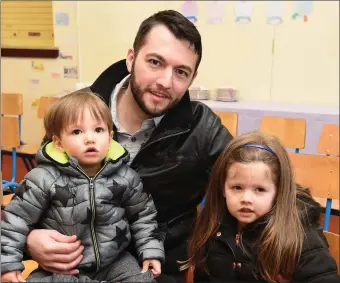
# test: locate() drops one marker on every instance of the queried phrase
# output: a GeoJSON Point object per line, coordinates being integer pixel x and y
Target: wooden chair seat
{"type": "Point", "coordinates": [6, 199]}
{"type": "Point", "coordinates": [30, 265]}
{"type": "Point", "coordinates": [333, 241]}
{"type": "Point", "coordinates": [25, 149]}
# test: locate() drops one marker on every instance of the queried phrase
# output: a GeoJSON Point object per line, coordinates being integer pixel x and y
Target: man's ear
{"type": "Point", "coordinates": [129, 59]}
{"type": "Point", "coordinates": [57, 144]}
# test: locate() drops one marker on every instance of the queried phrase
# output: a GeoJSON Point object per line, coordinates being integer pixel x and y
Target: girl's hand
{"type": "Point", "coordinates": [12, 276]}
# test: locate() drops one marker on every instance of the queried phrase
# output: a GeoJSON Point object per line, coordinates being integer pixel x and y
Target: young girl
{"type": "Point", "coordinates": [257, 225]}
{"type": "Point", "coordinates": [83, 186]}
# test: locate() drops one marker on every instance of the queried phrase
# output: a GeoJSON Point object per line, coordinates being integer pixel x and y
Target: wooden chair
{"type": "Point", "coordinates": [229, 120]}
{"type": "Point", "coordinates": [333, 242]}
{"type": "Point", "coordinates": [292, 132]}
{"type": "Point", "coordinates": [329, 140]}
{"type": "Point", "coordinates": [320, 174]}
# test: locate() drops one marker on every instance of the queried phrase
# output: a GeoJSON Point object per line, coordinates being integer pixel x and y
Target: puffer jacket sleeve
{"type": "Point", "coordinates": [316, 264]}
{"type": "Point", "coordinates": [141, 213]}
{"type": "Point", "coordinates": [20, 216]}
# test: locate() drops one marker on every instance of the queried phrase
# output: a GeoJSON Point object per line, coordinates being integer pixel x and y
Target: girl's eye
{"type": "Point", "coordinates": [237, 188]}
{"type": "Point", "coordinates": [260, 190]}
{"type": "Point", "coordinates": [76, 132]}
{"type": "Point", "coordinates": [99, 130]}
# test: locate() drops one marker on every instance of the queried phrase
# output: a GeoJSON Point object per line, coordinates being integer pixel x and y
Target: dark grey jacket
{"type": "Point", "coordinates": [104, 211]}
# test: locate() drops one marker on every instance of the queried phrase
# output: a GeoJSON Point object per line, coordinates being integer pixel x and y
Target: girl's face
{"type": "Point", "coordinates": [249, 190]}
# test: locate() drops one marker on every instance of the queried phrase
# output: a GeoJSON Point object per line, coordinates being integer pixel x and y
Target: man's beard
{"type": "Point", "coordinates": [137, 93]}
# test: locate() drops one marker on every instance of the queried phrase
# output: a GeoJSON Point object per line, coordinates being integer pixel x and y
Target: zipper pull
{"type": "Point", "coordinates": [91, 184]}
{"type": "Point", "coordinates": [237, 240]}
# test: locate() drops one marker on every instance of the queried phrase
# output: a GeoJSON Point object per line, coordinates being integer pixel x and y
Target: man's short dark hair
{"type": "Point", "coordinates": [177, 24]}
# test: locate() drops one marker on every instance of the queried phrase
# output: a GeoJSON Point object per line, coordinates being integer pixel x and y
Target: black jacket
{"type": "Point", "coordinates": [226, 262]}
{"type": "Point", "coordinates": [176, 161]}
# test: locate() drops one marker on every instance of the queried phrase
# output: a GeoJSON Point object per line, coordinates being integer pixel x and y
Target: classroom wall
{"type": "Point", "coordinates": [294, 62]}
{"type": "Point", "coordinates": [18, 75]}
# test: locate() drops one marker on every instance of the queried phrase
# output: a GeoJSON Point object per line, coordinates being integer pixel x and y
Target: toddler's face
{"type": "Point", "coordinates": [249, 190]}
{"type": "Point", "coordinates": [88, 140]}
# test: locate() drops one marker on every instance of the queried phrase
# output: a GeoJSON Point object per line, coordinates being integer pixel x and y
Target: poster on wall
{"type": "Point", "coordinates": [215, 12]}
{"type": "Point", "coordinates": [33, 83]}
{"type": "Point", "coordinates": [302, 9]}
{"type": "Point", "coordinates": [274, 11]}
{"type": "Point", "coordinates": [71, 72]}
{"type": "Point", "coordinates": [62, 19]}
{"type": "Point", "coordinates": [243, 11]}
{"type": "Point", "coordinates": [37, 65]}
{"type": "Point", "coordinates": [190, 11]}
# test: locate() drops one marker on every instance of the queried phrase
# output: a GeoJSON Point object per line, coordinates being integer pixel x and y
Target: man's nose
{"type": "Point", "coordinates": [165, 79]}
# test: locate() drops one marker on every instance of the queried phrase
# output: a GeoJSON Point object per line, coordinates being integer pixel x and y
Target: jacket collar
{"type": "Point", "coordinates": [49, 155]}
{"type": "Point", "coordinates": [177, 119]}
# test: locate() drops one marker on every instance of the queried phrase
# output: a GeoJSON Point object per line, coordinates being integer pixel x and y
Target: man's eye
{"type": "Point", "coordinates": [99, 130]}
{"type": "Point", "coordinates": [154, 62]}
{"type": "Point", "coordinates": [182, 73]}
{"type": "Point", "coordinates": [76, 132]}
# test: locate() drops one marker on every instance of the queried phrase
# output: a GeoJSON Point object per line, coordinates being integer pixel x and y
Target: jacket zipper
{"type": "Point", "coordinates": [163, 138]}
{"type": "Point", "coordinates": [93, 211]}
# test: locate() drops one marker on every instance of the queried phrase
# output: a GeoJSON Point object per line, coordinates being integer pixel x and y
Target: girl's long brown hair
{"type": "Point", "coordinates": [279, 247]}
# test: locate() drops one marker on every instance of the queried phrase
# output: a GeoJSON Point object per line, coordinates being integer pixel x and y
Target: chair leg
{"type": "Point", "coordinates": [26, 164]}
{"type": "Point", "coordinates": [327, 215]}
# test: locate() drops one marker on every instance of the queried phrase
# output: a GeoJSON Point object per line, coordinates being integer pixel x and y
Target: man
{"type": "Point", "coordinates": [173, 142]}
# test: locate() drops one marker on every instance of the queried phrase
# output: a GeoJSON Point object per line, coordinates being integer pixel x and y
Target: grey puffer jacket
{"type": "Point", "coordinates": [104, 211]}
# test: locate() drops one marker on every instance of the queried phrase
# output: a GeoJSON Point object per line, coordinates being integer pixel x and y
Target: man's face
{"type": "Point", "coordinates": [161, 72]}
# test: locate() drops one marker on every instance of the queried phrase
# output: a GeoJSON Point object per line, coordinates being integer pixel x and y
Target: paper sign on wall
{"type": "Point", "coordinates": [71, 72]}
{"type": "Point", "coordinates": [34, 83]}
{"type": "Point", "coordinates": [65, 56]}
{"type": "Point", "coordinates": [215, 10]}
{"type": "Point", "coordinates": [62, 19]}
{"type": "Point", "coordinates": [55, 75]}
{"type": "Point", "coordinates": [190, 11]}
{"type": "Point", "coordinates": [243, 11]}
{"type": "Point", "coordinates": [274, 12]}
{"type": "Point", "coordinates": [37, 65]}
{"type": "Point", "coordinates": [302, 9]}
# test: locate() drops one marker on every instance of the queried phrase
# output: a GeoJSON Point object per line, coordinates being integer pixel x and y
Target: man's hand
{"type": "Point", "coordinates": [12, 276]}
{"type": "Point", "coordinates": [155, 264]}
{"type": "Point", "coordinates": [55, 252]}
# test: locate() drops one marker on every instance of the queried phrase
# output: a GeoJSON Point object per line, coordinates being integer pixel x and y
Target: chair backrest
{"type": "Point", "coordinates": [11, 104]}
{"type": "Point", "coordinates": [317, 172]}
{"type": "Point", "coordinates": [291, 132]}
{"type": "Point", "coordinates": [45, 103]}
{"type": "Point", "coordinates": [329, 140]}
{"type": "Point", "coordinates": [10, 132]}
{"type": "Point", "coordinates": [229, 120]}
{"type": "Point", "coordinates": [333, 241]}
